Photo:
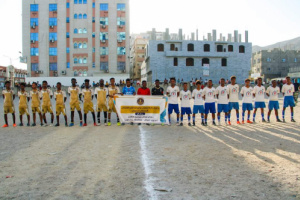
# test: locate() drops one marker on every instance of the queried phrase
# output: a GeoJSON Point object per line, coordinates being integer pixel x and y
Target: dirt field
{"type": "Point", "coordinates": [259, 161]}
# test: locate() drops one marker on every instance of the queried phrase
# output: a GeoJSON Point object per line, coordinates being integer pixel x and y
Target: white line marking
{"type": "Point", "coordinates": [148, 183]}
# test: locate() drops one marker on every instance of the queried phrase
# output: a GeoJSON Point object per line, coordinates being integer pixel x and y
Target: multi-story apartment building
{"type": "Point", "coordinates": [76, 37]}
{"type": "Point", "coordinates": [274, 63]}
{"type": "Point", "coordinates": [138, 52]}
{"type": "Point", "coordinates": [12, 74]}
{"type": "Point", "coordinates": [206, 59]}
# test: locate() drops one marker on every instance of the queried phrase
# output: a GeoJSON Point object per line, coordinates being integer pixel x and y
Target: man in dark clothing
{"type": "Point", "coordinates": [157, 90]}
{"type": "Point", "coordinates": [296, 93]}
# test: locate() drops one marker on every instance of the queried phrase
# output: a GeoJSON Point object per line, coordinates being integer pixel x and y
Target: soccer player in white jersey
{"type": "Point", "coordinates": [185, 96]}
{"type": "Point", "coordinates": [222, 96]}
{"type": "Point", "coordinates": [173, 94]}
{"type": "Point", "coordinates": [288, 91]}
{"type": "Point", "coordinates": [272, 92]}
{"type": "Point", "coordinates": [246, 93]}
{"type": "Point", "coordinates": [259, 94]}
{"type": "Point", "coordinates": [233, 96]}
{"type": "Point", "coordinates": [209, 97]}
{"type": "Point", "coordinates": [198, 103]}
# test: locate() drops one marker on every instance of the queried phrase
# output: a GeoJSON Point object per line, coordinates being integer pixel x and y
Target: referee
{"type": "Point", "coordinates": [157, 90]}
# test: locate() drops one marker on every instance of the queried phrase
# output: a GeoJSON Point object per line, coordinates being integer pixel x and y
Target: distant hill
{"type": "Point", "coordinates": [293, 44]}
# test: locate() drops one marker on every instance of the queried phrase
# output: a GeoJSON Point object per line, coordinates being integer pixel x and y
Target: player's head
{"type": "Point", "coordinates": [34, 85]}
{"type": "Point", "coordinates": [247, 81]}
{"type": "Point", "coordinates": [58, 85]}
{"type": "Point", "coordinates": [128, 82]}
{"type": "Point", "coordinates": [22, 85]}
{"type": "Point", "coordinates": [101, 82]}
{"type": "Point", "coordinates": [259, 81]}
{"type": "Point", "coordinates": [144, 84]}
{"type": "Point", "coordinates": [112, 81]}
{"type": "Point", "coordinates": [157, 83]}
{"type": "Point", "coordinates": [173, 81]}
{"type": "Point", "coordinates": [198, 84]}
{"type": "Point", "coordinates": [73, 81]}
{"type": "Point", "coordinates": [87, 83]}
{"type": "Point", "coordinates": [274, 83]}
{"type": "Point", "coordinates": [209, 83]}
{"type": "Point", "coordinates": [7, 84]}
{"type": "Point", "coordinates": [222, 81]}
{"type": "Point", "coordinates": [44, 84]}
{"type": "Point", "coordinates": [288, 79]}
{"type": "Point", "coordinates": [185, 86]}
{"type": "Point", "coordinates": [233, 79]}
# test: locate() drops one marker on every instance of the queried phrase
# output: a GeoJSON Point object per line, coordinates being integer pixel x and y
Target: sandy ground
{"type": "Point", "coordinates": [259, 161]}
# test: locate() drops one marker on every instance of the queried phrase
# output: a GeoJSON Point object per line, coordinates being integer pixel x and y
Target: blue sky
{"type": "Point", "coordinates": [268, 21]}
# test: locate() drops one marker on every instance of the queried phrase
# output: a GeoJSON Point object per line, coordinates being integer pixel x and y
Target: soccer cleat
{"type": "Point", "coordinates": [71, 124]}
{"type": "Point", "coordinates": [229, 123]}
{"type": "Point", "coordinates": [278, 120]}
{"type": "Point", "coordinates": [95, 124]}
{"type": "Point", "coordinates": [14, 125]}
{"type": "Point", "coordinates": [249, 122]}
{"type": "Point", "coordinates": [21, 124]}
{"type": "Point", "coordinates": [152, 124]}
{"type": "Point", "coordinates": [189, 124]}
{"type": "Point", "coordinates": [66, 124]}
{"type": "Point", "coordinates": [177, 123]}
{"type": "Point", "coordinates": [109, 124]}
{"type": "Point", "coordinates": [226, 123]}
{"type": "Point", "coordinates": [283, 120]}
{"type": "Point", "coordinates": [131, 123]}
{"type": "Point", "coordinates": [56, 125]}
{"type": "Point", "coordinates": [119, 123]}
{"type": "Point", "coordinates": [105, 124]}
{"type": "Point", "coordinates": [162, 124]}
{"type": "Point", "coordinates": [202, 123]}
{"type": "Point", "coordinates": [268, 121]}
{"type": "Point", "coordinates": [243, 122]}
{"type": "Point", "coordinates": [205, 124]}
{"type": "Point", "coordinates": [44, 125]}
{"type": "Point", "coordinates": [263, 120]}
{"type": "Point", "coordinates": [194, 124]}
{"type": "Point", "coordinates": [33, 124]}
{"type": "Point", "coordinates": [80, 124]}
{"type": "Point", "coordinates": [51, 125]}
{"type": "Point", "coordinates": [238, 122]}
{"type": "Point", "coordinates": [28, 124]}
{"type": "Point", "coordinates": [85, 124]}
{"type": "Point", "coordinates": [139, 124]}
{"type": "Point", "coordinates": [5, 126]}
{"type": "Point", "coordinates": [293, 120]}
{"type": "Point", "coordinates": [214, 123]}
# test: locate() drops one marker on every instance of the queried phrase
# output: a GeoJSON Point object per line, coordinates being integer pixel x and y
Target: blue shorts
{"type": "Point", "coordinates": [273, 105]}
{"type": "Point", "coordinates": [259, 105]}
{"type": "Point", "coordinates": [198, 109]}
{"type": "Point", "coordinates": [247, 106]}
{"type": "Point", "coordinates": [234, 105]}
{"type": "Point", "coordinates": [288, 101]}
{"type": "Point", "coordinates": [186, 110]}
{"type": "Point", "coordinates": [223, 108]}
{"type": "Point", "coordinates": [174, 107]}
{"type": "Point", "coordinates": [210, 108]}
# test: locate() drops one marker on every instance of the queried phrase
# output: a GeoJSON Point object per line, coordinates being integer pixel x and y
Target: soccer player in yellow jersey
{"type": "Point", "coordinates": [60, 98]}
{"type": "Point", "coordinates": [8, 96]}
{"type": "Point", "coordinates": [35, 103]}
{"type": "Point", "coordinates": [88, 106]}
{"type": "Point", "coordinates": [23, 106]}
{"type": "Point", "coordinates": [101, 94]}
{"type": "Point", "coordinates": [112, 91]}
{"type": "Point", "coordinates": [75, 93]}
{"type": "Point", "coordinates": [46, 103]}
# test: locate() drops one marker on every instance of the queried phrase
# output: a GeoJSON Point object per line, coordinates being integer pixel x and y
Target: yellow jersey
{"type": "Point", "coordinates": [60, 97]}
{"type": "Point", "coordinates": [87, 95]}
{"type": "Point", "coordinates": [8, 98]}
{"type": "Point", "coordinates": [74, 93]}
{"type": "Point", "coordinates": [46, 94]}
{"type": "Point", "coordinates": [23, 99]}
{"type": "Point", "coordinates": [35, 98]}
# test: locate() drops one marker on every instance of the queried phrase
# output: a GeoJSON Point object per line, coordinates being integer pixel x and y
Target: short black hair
{"type": "Point", "coordinates": [7, 82]}
{"type": "Point", "coordinates": [210, 80]}
{"type": "Point", "coordinates": [34, 83]}
{"type": "Point", "coordinates": [73, 79]}
{"type": "Point", "coordinates": [112, 79]}
{"type": "Point", "coordinates": [156, 80]}
{"type": "Point", "coordinates": [144, 81]}
{"type": "Point", "coordinates": [222, 79]}
{"type": "Point", "coordinates": [45, 82]}
{"type": "Point", "coordinates": [173, 78]}
{"type": "Point", "coordinates": [198, 83]}
{"type": "Point", "coordinates": [87, 80]}
{"type": "Point", "coordinates": [185, 83]}
{"type": "Point", "coordinates": [24, 84]}
{"type": "Point", "coordinates": [58, 83]}
{"type": "Point", "coordinates": [259, 78]}
{"type": "Point", "coordinates": [287, 77]}
{"type": "Point", "coordinates": [274, 80]}
{"type": "Point", "coordinates": [232, 77]}
{"type": "Point", "coordinates": [128, 80]}
{"type": "Point", "coordinates": [247, 79]}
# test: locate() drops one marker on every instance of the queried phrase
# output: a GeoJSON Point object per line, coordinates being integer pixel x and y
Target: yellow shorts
{"type": "Point", "coordinates": [88, 107]}
{"type": "Point", "coordinates": [46, 109]}
{"type": "Point", "coordinates": [74, 106]}
{"type": "Point", "coordinates": [101, 108]}
{"type": "Point", "coordinates": [8, 109]}
{"type": "Point", "coordinates": [36, 110]}
{"type": "Point", "coordinates": [23, 110]}
{"type": "Point", "coordinates": [112, 109]}
{"type": "Point", "coordinates": [60, 109]}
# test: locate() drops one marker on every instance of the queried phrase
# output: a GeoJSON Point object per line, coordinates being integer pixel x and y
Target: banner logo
{"type": "Point", "coordinates": [140, 101]}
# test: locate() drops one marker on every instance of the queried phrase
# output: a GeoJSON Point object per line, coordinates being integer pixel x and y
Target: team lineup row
{"type": "Point", "coordinates": [227, 98]}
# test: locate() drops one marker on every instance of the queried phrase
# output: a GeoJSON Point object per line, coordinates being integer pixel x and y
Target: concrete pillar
{"type": "Point", "coordinates": [209, 36]}
{"type": "Point", "coordinates": [236, 36]}
{"type": "Point", "coordinates": [153, 34]}
{"type": "Point", "coordinates": [224, 39]}
{"type": "Point", "coordinates": [229, 38]}
{"type": "Point", "coordinates": [180, 34]}
{"type": "Point", "coordinates": [167, 34]}
{"type": "Point", "coordinates": [193, 36]}
{"type": "Point", "coordinates": [214, 33]}
{"type": "Point", "coordinates": [246, 36]}
{"type": "Point", "coordinates": [197, 35]}
{"type": "Point", "coordinates": [221, 37]}
{"type": "Point", "coordinates": [204, 38]}
{"type": "Point", "coordinates": [240, 37]}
